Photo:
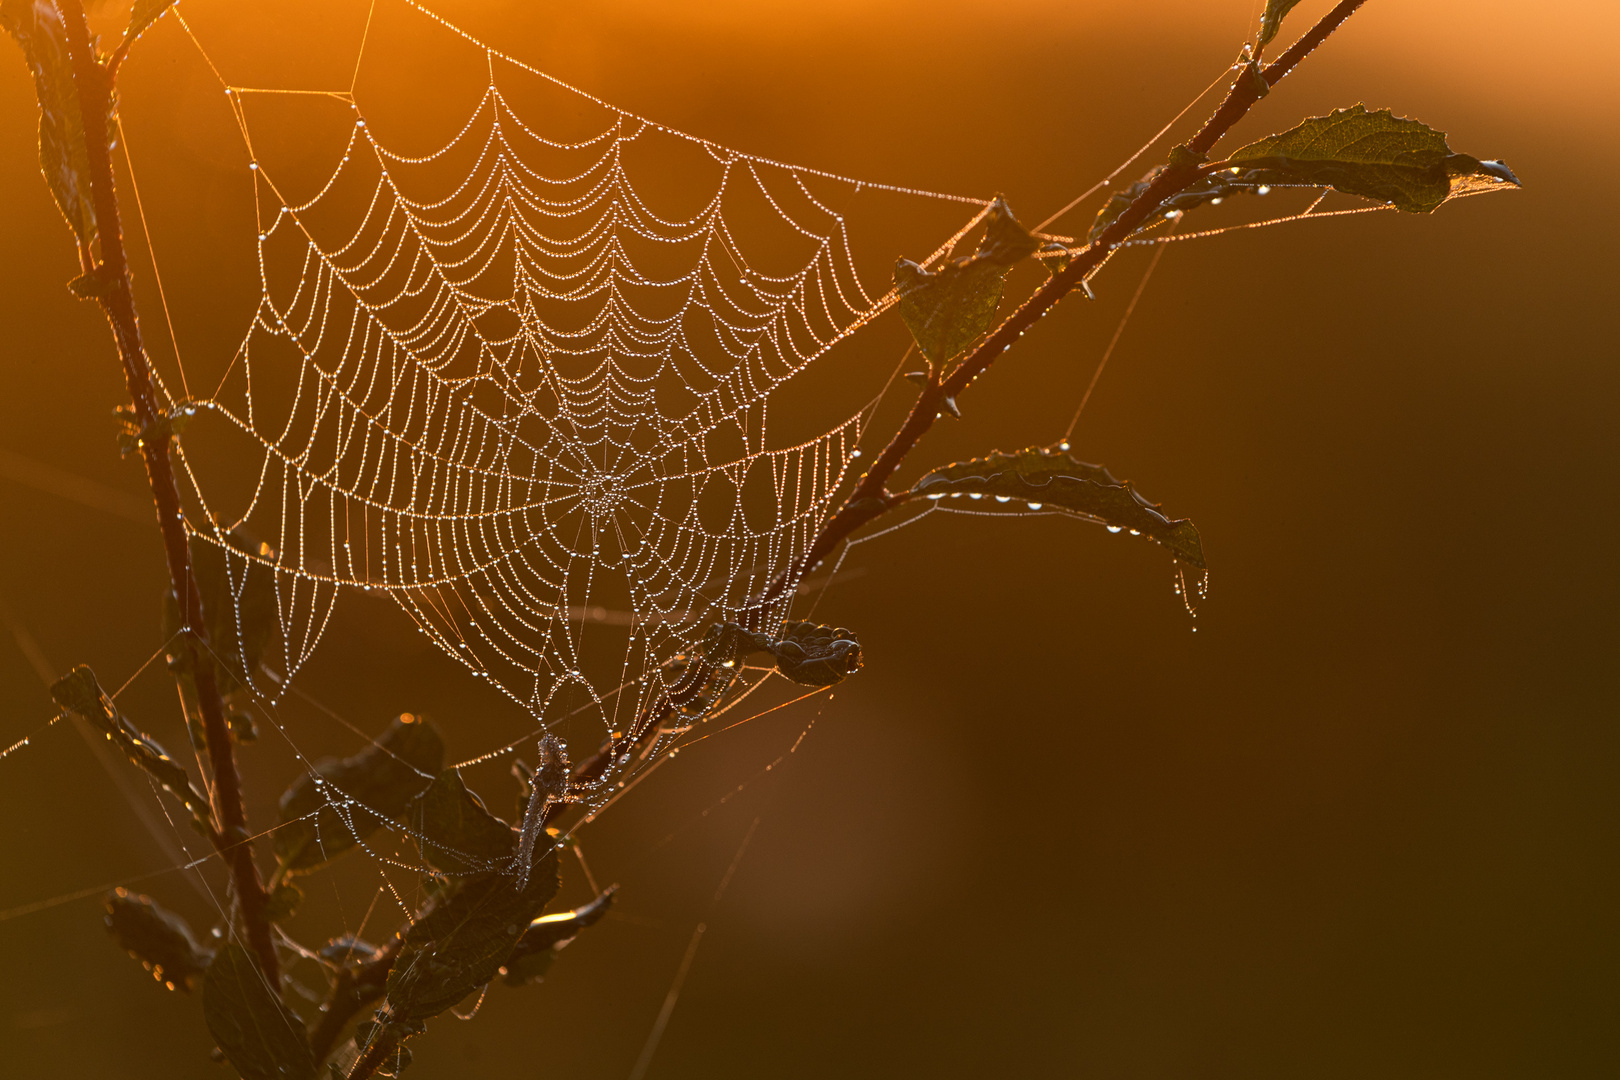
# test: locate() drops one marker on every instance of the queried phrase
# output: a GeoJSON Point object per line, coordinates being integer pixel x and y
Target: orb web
{"type": "Point", "coordinates": [523, 381]}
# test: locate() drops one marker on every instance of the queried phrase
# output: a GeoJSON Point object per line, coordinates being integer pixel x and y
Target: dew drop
{"type": "Point", "coordinates": [1003, 498]}
{"type": "Point", "coordinates": [1034, 506]}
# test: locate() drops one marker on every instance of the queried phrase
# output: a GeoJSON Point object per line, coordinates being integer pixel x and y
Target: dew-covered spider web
{"type": "Point", "coordinates": [523, 381]}
{"type": "Point", "coordinates": [543, 374]}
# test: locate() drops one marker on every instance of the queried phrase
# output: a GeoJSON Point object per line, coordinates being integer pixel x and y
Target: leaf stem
{"type": "Point", "coordinates": [871, 497]}
{"type": "Point", "coordinates": [93, 83]}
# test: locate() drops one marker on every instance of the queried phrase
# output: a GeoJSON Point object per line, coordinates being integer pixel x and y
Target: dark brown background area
{"type": "Point", "coordinates": [1363, 822]}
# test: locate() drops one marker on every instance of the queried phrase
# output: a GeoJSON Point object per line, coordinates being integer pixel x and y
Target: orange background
{"type": "Point", "coordinates": [1362, 822]}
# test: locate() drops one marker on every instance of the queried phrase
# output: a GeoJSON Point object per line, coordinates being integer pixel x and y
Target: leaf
{"type": "Point", "coordinates": [38, 28]}
{"type": "Point", "coordinates": [1271, 20]}
{"type": "Point", "coordinates": [143, 15]}
{"type": "Point", "coordinates": [383, 778]}
{"type": "Point", "coordinates": [807, 653]}
{"type": "Point", "coordinates": [550, 934]}
{"type": "Point", "coordinates": [256, 1031]}
{"type": "Point", "coordinates": [159, 939]}
{"type": "Point", "coordinates": [78, 692]}
{"type": "Point", "coordinates": [1046, 477]}
{"type": "Point", "coordinates": [458, 835]}
{"type": "Point", "coordinates": [1375, 155]}
{"type": "Point", "coordinates": [465, 940]}
{"type": "Point", "coordinates": [947, 308]}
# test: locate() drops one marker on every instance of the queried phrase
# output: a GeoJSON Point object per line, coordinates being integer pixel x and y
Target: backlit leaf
{"type": "Point", "coordinates": [38, 28]}
{"type": "Point", "coordinates": [946, 309]}
{"type": "Point", "coordinates": [256, 1031]}
{"type": "Point", "coordinates": [550, 934]}
{"type": "Point", "coordinates": [457, 833]}
{"type": "Point", "coordinates": [1375, 155]}
{"type": "Point", "coordinates": [159, 939]}
{"type": "Point", "coordinates": [78, 692]}
{"type": "Point", "coordinates": [320, 821]}
{"type": "Point", "coordinates": [1271, 19]}
{"type": "Point", "coordinates": [1044, 477]}
{"type": "Point", "coordinates": [465, 940]}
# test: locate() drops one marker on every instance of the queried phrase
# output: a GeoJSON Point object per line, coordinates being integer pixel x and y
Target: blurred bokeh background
{"type": "Point", "coordinates": [1363, 822]}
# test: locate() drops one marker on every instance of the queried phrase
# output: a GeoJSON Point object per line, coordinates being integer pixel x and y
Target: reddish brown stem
{"type": "Point", "coordinates": [93, 83]}
{"type": "Point", "coordinates": [871, 496]}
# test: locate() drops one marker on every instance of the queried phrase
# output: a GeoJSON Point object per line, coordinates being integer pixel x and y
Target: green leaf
{"type": "Point", "coordinates": [465, 940]}
{"type": "Point", "coordinates": [1041, 477]}
{"type": "Point", "coordinates": [458, 835]}
{"type": "Point", "coordinates": [807, 653]}
{"type": "Point", "coordinates": [78, 692]}
{"type": "Point", "coordinates": [38, 28]}
{"type": "Point", "coordinates": [550, 934]}
{"type": "Point", "coordinates": [946, 309]}
{"type": "Point", "coordinates": [256, 1031]}
{"type": "Point", "coordinates": [159, 939]}
{"type": "Point", "coordinates": [1271, 20]}
{"type": "Point", "coordinates": [143, 15]}
{"type": "Point", "coordinates": [1375, 155]}
{"type": "Point", "coordinates": [376, 784]}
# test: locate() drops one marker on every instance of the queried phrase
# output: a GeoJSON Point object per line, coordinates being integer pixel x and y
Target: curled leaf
{"type": "Point", "coordinates": [247, 1018]}
{"type": "Point", "coordinates": [1375, 155]}
{"type": "Point", "coordinates": [1271, 19]}
{"type": "Point", "coordinates": [466, 939]}
{"type": "Point", "coordinates": [807, 653]}
{"type": "Point", "coordinates": [1045, 477]}
{"type": "Point", "coordinates": [159, 939]}
{"type": "Point", "coordinates": [326, 814]}
{"type": "Point", "coordinates": [78, 692]}
{"type": "Point", "coordinates": [946, 309]}
{"type": "Point", "coordinates": [143, 14]}
{"type": "Point", "coordinates": [549, 935]}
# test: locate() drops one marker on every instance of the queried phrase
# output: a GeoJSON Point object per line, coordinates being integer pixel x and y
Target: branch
{"type": "Point", "coordinates": [353, 990]}
{"type": "Point", "coordinates": [117, 298]}
{"type": "Point", "coordinates": [871, 496]}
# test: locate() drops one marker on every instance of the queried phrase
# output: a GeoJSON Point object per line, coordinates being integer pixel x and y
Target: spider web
{"type": "Point", "coordinates": [504, 384]}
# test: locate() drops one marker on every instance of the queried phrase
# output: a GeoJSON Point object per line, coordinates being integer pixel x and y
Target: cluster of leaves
{"type": "Point", "coordinates": [478, 921]}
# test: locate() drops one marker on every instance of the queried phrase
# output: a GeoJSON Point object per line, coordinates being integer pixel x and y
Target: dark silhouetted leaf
{"type": "Point", "coordinates": [549, 935]}
{"type": "Point", "coordinates": [383, 778]}
{"type": "Point", "coordinates": [946, 309]}
{"type": "Point", "coordinates": [1375, 155]}
{"type": "Point", "coordinates": [159, 939]}
{"type": "Point", "coordinates": [39, 30]}
{"type": "Point", "coordinates": [1271, 19]}
{"type": "Point", "coordinates": [464, 941]}
{"type": "Point", "coordinates": [457, 833]}
{"type": "Point", "coordinates": [1045, 477]}
{"type": "Point", "coordinates": [79, 692]}
{"type": "Point", "coordinates": [807, 653]}
{"type": "Point", "coordinates": [256, 1031]}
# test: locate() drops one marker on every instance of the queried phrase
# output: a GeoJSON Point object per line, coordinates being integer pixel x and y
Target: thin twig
{"type": "Point", "coordinates": [93, 83]}
{"type": "Point", "coordinates": [871, 498]}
